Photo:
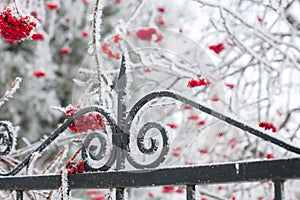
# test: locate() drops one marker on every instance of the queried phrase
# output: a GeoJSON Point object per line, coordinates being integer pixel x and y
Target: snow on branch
{"type": "Point", "coordinates": [9, 93]}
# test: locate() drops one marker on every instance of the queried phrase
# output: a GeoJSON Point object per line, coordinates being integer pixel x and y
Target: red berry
{"type": "Point", "coordinates": [168, 189]}
{"type": "Point", "coordinates": [39, 74]}
{"type": "Point", "coordinates": [217, 48]}
{"type": "Point", "coordinates": [37, 36]}
{"type": "Point", "coordinates": [84, 34]}
{"type": "Point", "coordinates": [270, 156]}
{"type": "Point", "coordinates": [201, 123]}
{"type": "Point", "coordinates": [193, 117]}
{"type": "Point", "coordinates": [173, 126]}
{"type": "Point", "coordinates": [161, 9]}
{"type": "Point", "coordinates": [65, 50]}
{"type": "Point", "coordinates": [80, 166]}
{"type": "Point", "coordinates": [51, 5]}
{"type": "Point", "coordinates": [117, 38]}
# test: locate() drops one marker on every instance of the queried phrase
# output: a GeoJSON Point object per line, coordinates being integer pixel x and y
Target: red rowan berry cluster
{"type": "Point", "coordinates": [75, 168]}
{"type": "Point", "coordinates": [87, 122]}
{"type": "Point", "coordinates": [268, 126]}
{"type": "Point", "coordinates": [172, 126]}
{"type": "Point", "coordinates": [105, 49]}
{"type": "Point", "coordinates": [217, 48]}
{"type": "Point", "coordinates": [149, 34]}
{"type": "Point", "coordinates": [194, 83]}
{"type": "Point", "coordinates": [14, 28]}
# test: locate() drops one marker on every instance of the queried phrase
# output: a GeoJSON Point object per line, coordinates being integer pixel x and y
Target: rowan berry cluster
{"type": "Point", "coordinates": [149, 34]}
{"type": "Point", "coordinates": [217, 48]}
{"type": "Point", "coordinates": [87, 122]}
{"type": "Point", "coordinates": [201, 82]}
{"type": "Point", "coordinates": [14, 28]}
{"type": "Point", "coordinates": [75, 168]}
{"type": "Point", "coordinates": [268, 126]}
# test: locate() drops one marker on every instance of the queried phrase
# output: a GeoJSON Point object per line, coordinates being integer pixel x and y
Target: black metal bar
{"type": "Point", "coordinates": [120, 193]}
{"type": "Point", "coordinates": [120, 159]}
{"type": "Point", "coordinates": [19, 195]}
{"type": "Point", "coordinates": [251, 171]}
{"type": "Point", "coordinates": [190, 192]}
{"type": "Point", "coordinates": [279, 189]}
{"type": "Point", "coordinates": [122, 82]}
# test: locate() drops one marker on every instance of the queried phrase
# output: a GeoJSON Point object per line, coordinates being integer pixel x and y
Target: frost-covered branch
{"type": "Point", "coordinates": [97, 21]}
{"type": "Point", "coordinates": [9, 93]}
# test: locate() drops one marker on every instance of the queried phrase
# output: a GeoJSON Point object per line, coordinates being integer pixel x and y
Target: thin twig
{"type": "Point", "coordinates": [243, 46]}
{"type": "Point", "coordinates": [209, 194]}
{"type": "Point", "coordinates": [100, 75]}
{"type": "Point", "coordinates": [58, 156]}
{"type": "Point", "coordinates": [287, 118]}
{"type": "Point", "coordinates": [13, 88]}
{"type": "Point", "coordinates": [17, 9]}
{"type": "Point", "coordinates": [135, 13]}
{"type": "Point", "coordinates": [74, 155]}
{"type": "Point", "coordinates": [95, 48]}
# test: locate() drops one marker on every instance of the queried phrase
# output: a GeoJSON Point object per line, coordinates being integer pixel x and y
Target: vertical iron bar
{"type": "Point", "coordinates": [279, 190]}
{"type": "Point", "coordinates": [19, 195]}
{"type": "Point", "coordinates": [190, 192]}
{"type": "Point", "coordinates": [120, 159]}
{"type": "Point", "coordinates": [122, 81]}
{"type": "Point", "coordinates": [120, 193]}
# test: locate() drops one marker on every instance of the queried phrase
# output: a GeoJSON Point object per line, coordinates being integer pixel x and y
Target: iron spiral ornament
{"type": "Point", "coordinates": [6, 138]}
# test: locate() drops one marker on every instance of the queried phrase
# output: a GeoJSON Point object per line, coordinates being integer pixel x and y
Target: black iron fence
{"type": "Point", "coordinates": [273, 170]}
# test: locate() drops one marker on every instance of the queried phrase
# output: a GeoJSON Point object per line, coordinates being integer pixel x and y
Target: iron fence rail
{"type": "Point", "coordinates": [277, 170]}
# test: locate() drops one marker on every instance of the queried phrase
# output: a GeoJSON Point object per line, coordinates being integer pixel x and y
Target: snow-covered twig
{"type": "Point", "coordinates": [97, 21]}
{"type": "Point", "coordinates": [209, 194]}
{"type": "Point", "coordinates": [56, 160]}
{"type": "Point", "coordinates": [135, 13]}
{"type": "Point", "coordinates": [9, 93]}
{"type": "Point", "coordinates": [261, 33]}
{"type": "Point", "coordinates": [242, 45]}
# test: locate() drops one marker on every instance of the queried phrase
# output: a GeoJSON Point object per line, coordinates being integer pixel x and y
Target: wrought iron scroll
{"type": "Point", "coordinates": [6, 138]}
{"type": "Point", "coordinates": [60, 130]}
{"type": "Point", "coordinates": [121, 132]}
